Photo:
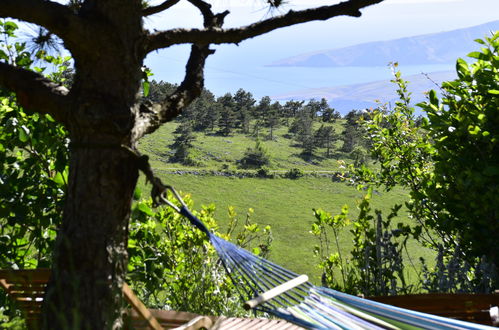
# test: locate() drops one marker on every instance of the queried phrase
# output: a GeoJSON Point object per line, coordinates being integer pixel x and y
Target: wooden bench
{"type": "Point", "coordinates": [467, 307]}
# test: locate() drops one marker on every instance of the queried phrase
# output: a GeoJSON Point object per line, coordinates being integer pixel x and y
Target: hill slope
{"type": "Point", "coordinates": [436, 48]}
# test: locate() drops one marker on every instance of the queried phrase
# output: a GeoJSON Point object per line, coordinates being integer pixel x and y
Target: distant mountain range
{"type": "Point", "coordinates": [362, 96]}
{"type": "Point", "coordinates": [436, 48]}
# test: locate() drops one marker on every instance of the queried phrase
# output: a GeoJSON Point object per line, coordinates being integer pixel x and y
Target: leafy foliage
{"type": "Point", "coordinates": [33, 175]}
{"type": "Point", "coordinates": [464, 127]}
{"type": "Point", "coordinates": [376, 264]}
{"type": "Point", "coordinates": [449, 163]}
{"type": "Point", "coordinates": [173, 266]}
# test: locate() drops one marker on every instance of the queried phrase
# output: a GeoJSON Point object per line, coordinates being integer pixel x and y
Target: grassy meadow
{"type": "Point", "coordinates": [284, 204]}
{"type": "Point", "coordinates": [216, 152]}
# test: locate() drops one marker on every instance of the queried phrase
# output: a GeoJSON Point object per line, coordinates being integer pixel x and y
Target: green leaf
{"type": "Point", "coordinates": [433, 97]}
{"type": "Point", "coordinates": [493, 91]}
{"type": "Point", "coordinates": [137, 193]}
{"type": "Point", "coordinates": [462, 69]}
{"type": "Point", "coordinates": [480, 41]}
{"type": "Point", "coordinates": [145, 86]}
{"type": "Point", "coordinates": [145, 209]}
{"type": "Point", "coordinates": [3, 56]}
{"type": "Point", "coordinates": [476, 55]}
{"type": "Point", "coordinates": [23, 134]}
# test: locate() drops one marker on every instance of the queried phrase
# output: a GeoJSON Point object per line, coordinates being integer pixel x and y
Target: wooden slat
{"type": "Point", "coordinates": [467, 307]}
{"type": "Point", "coordinates": [140, 308]}
{"type": "Point", "coordinates": [41, 275]}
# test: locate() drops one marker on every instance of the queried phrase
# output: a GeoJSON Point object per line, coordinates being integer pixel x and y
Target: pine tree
{"type": "Point", "coordinates": [184, 143]}
{"type": "Point", "coordinates": [227, 117]}
{"type": "Point", "coordinates": [325, 137]}
{"type": "Point", "coordinates": [244, 103]}
{"type": "Point", "coordinates": [273, 118]}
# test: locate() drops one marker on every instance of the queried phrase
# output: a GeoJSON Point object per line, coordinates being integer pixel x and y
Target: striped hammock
{"type": "Point", "coordinates": [270, 288]}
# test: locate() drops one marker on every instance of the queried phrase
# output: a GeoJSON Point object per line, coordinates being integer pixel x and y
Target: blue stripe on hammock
{"type": "Point", "coordinates": [418, 319]}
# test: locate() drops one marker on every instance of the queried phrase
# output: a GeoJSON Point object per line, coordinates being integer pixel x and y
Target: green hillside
{"type": "Point", "coordinates": [216, 152]}
{"type": "Point", "coordinates": [287, 205]}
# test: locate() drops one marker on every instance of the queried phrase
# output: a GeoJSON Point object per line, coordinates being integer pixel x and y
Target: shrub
{"type": "Point", "coordinates": [294, 173]}
{"type": "Point", "coordinates": [264, 172]}
{"type": "Point", "coordinates": [173, 266]}
{"type": "Point", "coordinates": [256, 157]}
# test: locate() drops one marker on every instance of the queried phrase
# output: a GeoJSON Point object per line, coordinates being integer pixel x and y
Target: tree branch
{"type": "Point", "coordinates": [159, 8]}
{"type": "Point", "coordinates": [211, 20]}
{"type": "Point", "coordinates": [35, 92]}
{"type": "Point", "coordinates": [235, 35]}
{"type": "Point", "coordinates": [53, 16]}
{"type": "Point", "coordinates": [151, 116]}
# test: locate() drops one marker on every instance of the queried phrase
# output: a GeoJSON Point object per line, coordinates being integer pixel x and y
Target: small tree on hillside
{"type": "Point", "coordinates": [183, 143]}
{"type": "Point", "coordinates": [316, 108]}
{"type": "Point", "coordinates": [243, 102]}
{"type": "Point", "coordinates": [325, 137]}
{"type": "Point", "coordinates": [353, 134]}
{"type": "Point", "coordinates": [290, 110]}
{"type": "Point", "coordinates": [256, 157]}
{"type": "Point", "coordinates": [273, 118]}
{"type": "Point", "coordinates": [330, 115]}
{"type": "Point", "coordinates": [227, 116]}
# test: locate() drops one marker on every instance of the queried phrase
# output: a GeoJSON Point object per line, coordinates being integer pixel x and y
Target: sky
{"type": "Point", "coordinates": [232, 67]}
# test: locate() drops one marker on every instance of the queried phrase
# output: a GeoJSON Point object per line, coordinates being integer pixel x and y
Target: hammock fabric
{"type": "Point", "coordinates": [308, 305]}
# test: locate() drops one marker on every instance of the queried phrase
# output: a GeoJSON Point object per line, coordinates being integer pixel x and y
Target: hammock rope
{"type": "Point", "coordinates": [305, 304]}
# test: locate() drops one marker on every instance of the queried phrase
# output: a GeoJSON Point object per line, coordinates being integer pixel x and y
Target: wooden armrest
{"type": "Point", "coordinates": [141, 308]}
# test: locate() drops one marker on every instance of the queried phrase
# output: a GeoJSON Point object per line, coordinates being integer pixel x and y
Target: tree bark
{"type": "Point", "coordinates": [91, 250]}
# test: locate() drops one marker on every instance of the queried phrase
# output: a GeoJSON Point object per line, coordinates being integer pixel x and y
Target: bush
{"type": "Point", "coordinates": [294, 173]}
{"type": "Point", "coordinates": [376, 264]}
{"type": "Point", "coordinates": [464, 127]}
{"type": "Point", "coordinates": [264, 172]}
{"type": "Point", "coordinates": [173, 266]}
{"type": "Point", "coordinates": [256, 157]}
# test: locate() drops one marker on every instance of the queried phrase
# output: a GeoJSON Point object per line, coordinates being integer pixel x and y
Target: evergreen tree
{"type": "Point", "coordinates": [353, 134]}
{"type": "Point", "coordinates": [302, 128]}
{"type": "Point", "coordinates": [227, 117]}
{"type": "Point", "coordinates": [183, 143]}
{"type": "Point", "coordinates": [325, 138]}
{"type": "Point", "coordinates": [330, 115]}
{"type": "Point", "coordinates": [212, 115]}
{"type": "Point", "coordinates": [316, 108]}
{"type": "Point", "coordinates": [200, 111]}
{"type": "Point", "coordinates": [260, 113]}
{"type": "Point", "coordinates": [291, 109]}
{"type": "Point", "coordinates": [159, 90]}
{"type": "Point", "coordinates": [273, 118]}
{"type": "Point", "coordinates": [244, 103]}
{"type": "Point", "coordinates": [262, 109]}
